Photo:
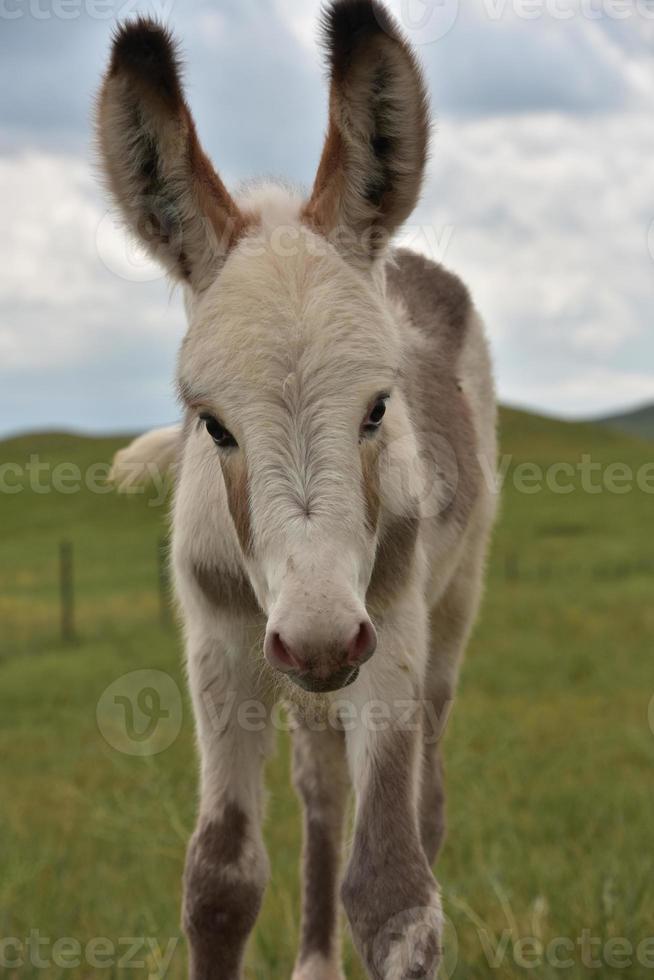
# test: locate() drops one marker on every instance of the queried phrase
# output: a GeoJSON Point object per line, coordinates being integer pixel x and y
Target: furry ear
{"type": "Point", "coordinates": [371, 169]}
{"type": "Point", "coordinates": [164, 184]}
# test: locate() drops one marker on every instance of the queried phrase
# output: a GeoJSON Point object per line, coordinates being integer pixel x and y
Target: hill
{"type": "Point", "coordinates": [638, 422]}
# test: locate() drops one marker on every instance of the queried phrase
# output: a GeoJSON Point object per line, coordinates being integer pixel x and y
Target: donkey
{"type": "Point", "coordinates": [330, 515]}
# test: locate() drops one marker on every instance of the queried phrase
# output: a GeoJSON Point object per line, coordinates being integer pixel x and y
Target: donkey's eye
{"type": "Point", "coordinates": [374, 417]}
{"type": "Point", "coordinates": [220, 435]}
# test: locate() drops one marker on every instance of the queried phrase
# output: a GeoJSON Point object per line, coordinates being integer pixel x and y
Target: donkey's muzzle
{"type": "Point", "coordinates": [335, 682]}
{"type": "Point", "coordinates": [320, 668]}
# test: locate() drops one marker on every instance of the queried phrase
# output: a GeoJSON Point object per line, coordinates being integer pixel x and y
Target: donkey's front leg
{"type": "Point", "coordinates": [321, 779]}
{"type": "Point", "coordinates": [226, 865]}
{"type": "Point", "coordinates": [390, 895]}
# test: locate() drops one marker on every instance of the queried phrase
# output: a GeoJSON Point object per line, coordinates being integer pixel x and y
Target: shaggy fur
{"type": "Point", "coordinates": [163, 183]}
{"type": "Point", "coordinates": [310, 526]}
{"type": "Point", "coordinates": [372, 165]}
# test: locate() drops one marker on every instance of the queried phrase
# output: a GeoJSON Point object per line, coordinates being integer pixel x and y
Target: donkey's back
{"type": "Point", "coordinates": [448, 383]}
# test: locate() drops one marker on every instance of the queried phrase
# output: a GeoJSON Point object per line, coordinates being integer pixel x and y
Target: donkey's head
{"type": "Point", "coordinates": [291, 359]}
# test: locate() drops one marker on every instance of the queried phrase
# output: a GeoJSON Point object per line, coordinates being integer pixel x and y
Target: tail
{"type": "Point", "coordinates": [150, 454]}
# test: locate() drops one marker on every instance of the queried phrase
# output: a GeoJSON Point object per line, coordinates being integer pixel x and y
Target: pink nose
{"type": "Point", "coordinates": [362, 645]}
{"type": "Point", "coordinates": [316, 669]}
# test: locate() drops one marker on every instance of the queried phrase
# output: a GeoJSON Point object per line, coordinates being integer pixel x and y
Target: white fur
{"type": "Point", "coordinates": [321, 333]}
{"type": "Point", "coordinates": [290, 340]}
{"type": "Point", "coordinates": [152, 454]}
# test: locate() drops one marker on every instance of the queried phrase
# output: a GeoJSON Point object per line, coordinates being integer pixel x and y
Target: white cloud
{"type": "Point", "coordinates": [548, 219]}
{"type": "Point", "coordinates": [302, 21]}
{"type": "Point", "coordinates": [66, 267]}
{"type": "Point", "coordinates": [211, 27]}
{"type": "Point", "coordinates": [596, 392]}
{"type": "Point", "coordinates": [79, 344]}
{"type": "Point", "coordinates": [501, 56]}
{"type": "Point", "coordinates": [540, 194]}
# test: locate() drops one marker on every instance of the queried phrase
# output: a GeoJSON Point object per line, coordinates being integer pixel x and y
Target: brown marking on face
{"type": "Point", "coordinates": [235, 475]}
{"type": "Point", "coordinates": [220, 906]}
{"type": "Point", "coordinates": [370, 452]}
{"type": "Point", "coordinates": [226, 589]}
{"type": "Point", "coordinates": [439, 307]}
{"type": "Point", "coordinates": [395, 554]}
{"type": "Point", "coordinates": [187, 427]}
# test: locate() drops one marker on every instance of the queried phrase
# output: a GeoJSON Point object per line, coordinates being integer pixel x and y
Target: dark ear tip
{"type": "Point", "coordinates": [145, 48]}
{"type": "Point", "coordinates": [141, 40]}
{"type": "Point", "coordinates": [347, 23]}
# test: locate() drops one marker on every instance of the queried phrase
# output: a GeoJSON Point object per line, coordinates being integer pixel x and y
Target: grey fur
{"type": "Point", "coordinates": [321, 781]}
{"type": "Point", "coordinates": [388, 874]}
{"type": "Point", "coordinates": [220, 907]}
{"type": "Point", "coordinates": [228, 591]}
{"type": "Point", "coordinates": [439, 307]}
{"type": "Point", "coordinates": [432, 801]}
{"type": "Point", "coordinates": [395, 553]}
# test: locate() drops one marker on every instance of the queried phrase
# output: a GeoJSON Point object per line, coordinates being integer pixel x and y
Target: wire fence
{"type": "Point", "coordinates": [69, 604]}
{"type": "Point", "coordinates": [52, 602]}
{"type": "Point", "coordinates": [67, 588]}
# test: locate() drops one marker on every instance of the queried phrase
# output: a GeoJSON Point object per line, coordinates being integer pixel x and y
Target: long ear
{"type": "Point", "coordinates": [164, 184]}
{"type": "Point", "coordinates": [369, 177]}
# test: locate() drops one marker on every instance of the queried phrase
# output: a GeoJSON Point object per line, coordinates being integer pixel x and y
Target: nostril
{"type": "Point", "coordinates": [363, 644]}
{"type": "Point", "coordinates": [278, 653]}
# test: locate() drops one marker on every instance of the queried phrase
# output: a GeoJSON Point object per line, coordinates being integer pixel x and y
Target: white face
{"type": "Point", "coordinates": [290, 365]}
{"type": "Point", "coordinates": [289, 350]}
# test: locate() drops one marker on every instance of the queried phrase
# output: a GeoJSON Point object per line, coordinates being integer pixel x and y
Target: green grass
{"type": "Point", "coordinates": [549, 751]}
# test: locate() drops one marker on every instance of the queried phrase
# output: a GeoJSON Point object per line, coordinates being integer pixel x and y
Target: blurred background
{"type": "Point", "coordinates": [540, 190]}
{"type": "Point", "coordinates": [540, 193]}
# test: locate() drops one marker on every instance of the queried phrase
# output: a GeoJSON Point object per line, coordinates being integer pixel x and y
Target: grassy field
{"type": "Point", "coordinates": [549, 750]}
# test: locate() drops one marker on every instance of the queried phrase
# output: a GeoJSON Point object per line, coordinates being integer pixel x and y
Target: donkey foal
{"type": "Point", "coordinates": [330, 517]}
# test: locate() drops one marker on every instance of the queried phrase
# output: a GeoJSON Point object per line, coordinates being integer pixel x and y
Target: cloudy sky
{"type": "Point", "coordinates": [540, 191]}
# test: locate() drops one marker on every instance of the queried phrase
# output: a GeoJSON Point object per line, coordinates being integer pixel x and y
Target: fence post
{"type": "Point", "coordinates": [164, 581]}
{"type": "Point", "coordinates": [67, 591]}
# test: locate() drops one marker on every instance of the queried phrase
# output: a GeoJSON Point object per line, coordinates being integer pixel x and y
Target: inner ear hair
{"type": "Point", "coordinates": [372, 165]}
{"type": "Point", "coordinates": [166, 188]}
